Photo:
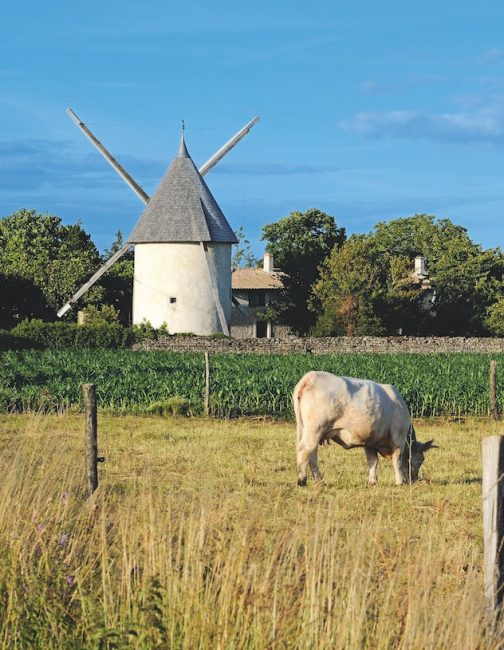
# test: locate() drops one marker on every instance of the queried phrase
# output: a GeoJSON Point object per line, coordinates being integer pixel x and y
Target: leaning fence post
{"type": "Point", "coordinates": [493, 519]}
{"type": "Point", "coordinates": [493, 390]}
{"type": "Point", "coordinates": [91, 435]}
{"type": "Point", "coordinates": [206, 408]}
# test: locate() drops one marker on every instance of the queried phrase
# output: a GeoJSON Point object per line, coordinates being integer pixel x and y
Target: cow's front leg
{"type": "Point", "coordinates": [306, 446]}
{"type": "Point", "coordinates": [372, 461]}
{"type": "Point", "coordinates": [314, 465]}
{"type": "Point", "coordinates": [396, 462]}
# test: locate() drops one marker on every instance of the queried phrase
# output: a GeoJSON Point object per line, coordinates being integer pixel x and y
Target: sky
{"type": "Point", "coordinates": [369, 111]}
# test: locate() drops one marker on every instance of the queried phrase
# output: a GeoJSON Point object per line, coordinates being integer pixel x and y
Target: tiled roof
{"type": "Point", "coordinates": [182, 209]}
{"type": "Point", "coordinates": [255, 279]}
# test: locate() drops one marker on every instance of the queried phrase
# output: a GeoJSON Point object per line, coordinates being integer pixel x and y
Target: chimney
{"type": "Point", "coordinates": [268, 263]}
{"type": "Point", "coordinates": [420, 266]}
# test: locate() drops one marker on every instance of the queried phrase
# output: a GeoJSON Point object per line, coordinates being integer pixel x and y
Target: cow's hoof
{"type": "Point", "coordinates": [302, 482]}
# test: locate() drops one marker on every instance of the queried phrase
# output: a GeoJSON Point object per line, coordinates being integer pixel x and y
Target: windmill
{"type": "Point", "coordinates": [182, 245]}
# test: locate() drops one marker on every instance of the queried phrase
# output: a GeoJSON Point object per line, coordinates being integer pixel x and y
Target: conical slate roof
{"type": "Point", "coordinates": [182, 209]}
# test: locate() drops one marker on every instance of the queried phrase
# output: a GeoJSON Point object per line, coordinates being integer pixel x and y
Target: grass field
{"type": "Point", "coordinates": [198, 537]}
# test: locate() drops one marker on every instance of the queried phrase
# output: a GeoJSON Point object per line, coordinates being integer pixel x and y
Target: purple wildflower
{"type": "Point", "coordinates": [70, 580]}
{"type": "Point", "coordinates": [63, 539]}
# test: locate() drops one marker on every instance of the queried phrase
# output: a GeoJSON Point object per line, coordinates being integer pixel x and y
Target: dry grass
{"type": "Point", "coordinates": [198, 537]}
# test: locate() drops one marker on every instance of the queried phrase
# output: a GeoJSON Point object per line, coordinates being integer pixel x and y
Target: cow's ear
{"type": "Point", "coordinates": [429, 445]}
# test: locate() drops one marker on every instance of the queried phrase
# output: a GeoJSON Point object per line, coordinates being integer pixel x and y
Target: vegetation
{"type": "Point", "coordinates": [243, 257]}
{"type": "Point", "coordinates": [198, 538]}
{"type": "Point", "coordinates": [132, 382]}
{"type": "Point", "coordinates": [42, 263]}
{"type": "Point", "coordinates": [332, 286]}
{"type": "Point", "coordinates": [299, 244]}
{"type": "Point", "coordinates": [43, 259]}
{"type": "Point", "coordinates": [366, 287]}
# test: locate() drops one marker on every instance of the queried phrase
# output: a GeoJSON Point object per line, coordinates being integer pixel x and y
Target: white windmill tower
{"type": "Point", "coordinates": [183, 242]}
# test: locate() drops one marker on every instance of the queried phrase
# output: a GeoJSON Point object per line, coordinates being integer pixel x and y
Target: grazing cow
{"type": "Point", "coordinates": [355, 413]}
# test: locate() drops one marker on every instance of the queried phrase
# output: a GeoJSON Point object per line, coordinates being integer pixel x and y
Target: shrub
{"type": "Point", "coordinates": [38, 334]}
{"type": "Point", "coordinates": [102, 315]}
{"type": "Point", "coordinates": [170, 406]}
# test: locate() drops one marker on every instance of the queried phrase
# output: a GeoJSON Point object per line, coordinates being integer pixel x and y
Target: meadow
{"type": "Point", "coordinates": [240, 385]}
{"type": "Point", "coordinates": [198, 537]}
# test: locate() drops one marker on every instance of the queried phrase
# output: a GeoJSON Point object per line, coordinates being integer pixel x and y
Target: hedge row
{"type": "Point", "coordinates": [37, 334]}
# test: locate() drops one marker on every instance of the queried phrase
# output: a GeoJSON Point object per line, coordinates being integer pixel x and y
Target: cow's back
{"type": "Point", "coordinates": [367, 411]}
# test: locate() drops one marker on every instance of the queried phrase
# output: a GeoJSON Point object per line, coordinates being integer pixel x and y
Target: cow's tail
{"type": "Point", "coordinates": [300, 388]}
{"type": "Point", "coordinates": [296, 398]}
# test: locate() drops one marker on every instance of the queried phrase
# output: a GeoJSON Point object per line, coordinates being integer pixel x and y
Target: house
{"type": "Point", "coordinates": [253, 290]}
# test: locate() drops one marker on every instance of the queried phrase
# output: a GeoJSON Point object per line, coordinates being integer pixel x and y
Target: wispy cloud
{"type": "Point", "coordinates": [272, 169]}
{"type": "Point", "coordinates": [370, 87]}
{"type": "Point", "coordinates": [492, 55]}
{"type": "Point", "coordinates": [429, 78]}
{"type": "Point", "coordinates": [37, 163]}
{"type": "Point", "coordinates": [484, 125]}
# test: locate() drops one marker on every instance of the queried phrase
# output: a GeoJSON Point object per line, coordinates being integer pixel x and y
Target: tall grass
{"type": "Point", "coordinates": [198, 538]}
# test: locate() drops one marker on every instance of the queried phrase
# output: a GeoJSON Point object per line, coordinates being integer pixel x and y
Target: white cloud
{"type": "Point", "coordinates": [484, 124]}
{"type": "Point", "coordinates": [373, 88]}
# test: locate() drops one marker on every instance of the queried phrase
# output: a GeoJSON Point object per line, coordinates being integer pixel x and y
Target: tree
{"type": "Point", "coordinates": [117, 283]}
{"type": "Point", "coordinates": [299, 244]}
{"type": "Point", "coordinates": [21, 299]}
{"type": "Point", "coordinates": [53, 257]}
{"type": "Point", "coordinates": [465, 279]}
{"type": "Point", "coordinates": [349, 294]}
{"type": "Point", "coordinates": [495, 317]}
{"type": "Point", "coordinates": [243, 257]}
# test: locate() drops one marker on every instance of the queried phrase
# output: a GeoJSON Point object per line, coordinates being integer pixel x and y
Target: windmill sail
{"type": "Point", "coordinates": [225, 149]}
{"type": "Point", "coordinates": [109, 157]}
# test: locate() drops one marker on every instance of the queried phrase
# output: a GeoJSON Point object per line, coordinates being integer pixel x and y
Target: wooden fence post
{"type": "Point", "coordinates": [207, 384]}
{"type": "Point", "coordinates": [91, 435]}
{"type": "Point", "coordinates": [493, 519]}
{"type": "Point", "coordinates": [493, 390]}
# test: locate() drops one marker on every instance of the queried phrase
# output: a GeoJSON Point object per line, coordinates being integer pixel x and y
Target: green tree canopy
{"type": "Point", "coordinates": [299, 244]}
{"type": "Point", "coordinates": [117, 283]}
{"type": "Point", "coordinates": [52, 257]}
{"type": "Point", "coordinates": [465, 281]}
{"type": "Point", "coordinates": [243, 256]}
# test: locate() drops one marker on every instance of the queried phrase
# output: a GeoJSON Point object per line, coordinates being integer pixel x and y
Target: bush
{"type": "Point", "coordinates": [60, 335]}
{"type": "Point", "coordinates": [170, 406]}
{"type": "Point", "coordinates": [145, 332]}
{"type": "Point", "coordinates": [101, 315]}
{"type": "Point", "coordinates": [38, 334]}
{"type": "Point", "coordinates": [9, 341]}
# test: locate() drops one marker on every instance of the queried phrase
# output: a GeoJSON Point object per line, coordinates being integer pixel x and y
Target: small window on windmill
{"type": "Point", "coordinates": [172, 300]}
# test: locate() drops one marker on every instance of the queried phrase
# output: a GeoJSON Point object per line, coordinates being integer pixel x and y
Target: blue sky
{"type": "Point", "coordinates": [369, 111]}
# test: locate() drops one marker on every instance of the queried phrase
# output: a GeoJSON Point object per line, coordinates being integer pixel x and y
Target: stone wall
{"type": "Point", "coordinates": [340, 345]}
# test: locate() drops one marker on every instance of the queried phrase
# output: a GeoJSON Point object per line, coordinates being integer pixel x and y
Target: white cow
{"type": "Point", "coordinates": [355, 413]}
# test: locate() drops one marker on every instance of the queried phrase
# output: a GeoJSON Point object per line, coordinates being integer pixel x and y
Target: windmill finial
{"type": "Point", "coordinates": [182, 152]}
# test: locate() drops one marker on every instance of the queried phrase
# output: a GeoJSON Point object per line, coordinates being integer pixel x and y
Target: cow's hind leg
{"type": "Point", "coordinates": [372, 460]}
{"type": "Point", "coordinates": [314, 465]}
{"type": "Point", "coordinates": [305, 448]}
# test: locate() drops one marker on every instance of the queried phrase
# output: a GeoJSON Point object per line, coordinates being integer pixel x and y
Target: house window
{"type": "Point", "coordinates": [261, 329]}
{"type": "Point", "coordinates": [257, 298]}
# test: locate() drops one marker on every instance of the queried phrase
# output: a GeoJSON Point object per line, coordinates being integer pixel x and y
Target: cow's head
{"type": "Point", "coordinates": [413, 456]}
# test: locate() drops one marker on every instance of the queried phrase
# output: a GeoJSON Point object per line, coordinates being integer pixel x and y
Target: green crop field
{"type": "Point", "coordinates": [241, 385]}
{"type": "Point", "coordinates": [198, 537]}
